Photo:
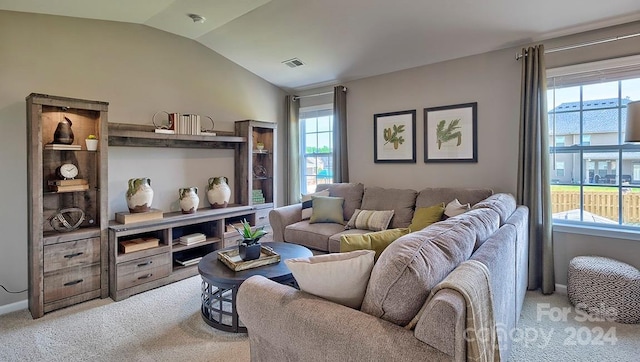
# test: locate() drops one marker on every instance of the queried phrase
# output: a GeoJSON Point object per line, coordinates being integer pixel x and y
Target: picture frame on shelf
{"type": "Point", "coordinates": [451, 133]}
{"type": "Point", "coordinates": [394, 137]}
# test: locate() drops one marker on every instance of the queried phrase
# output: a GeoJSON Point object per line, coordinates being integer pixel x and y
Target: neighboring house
{"type": "Point", "coordinates": [600, 119]}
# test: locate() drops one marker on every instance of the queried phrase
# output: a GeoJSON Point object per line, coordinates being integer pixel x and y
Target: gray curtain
{"type": "Point", "coordinates": [292, 150]}
{"type": "Point", "coordinates": [340, 154]}
{"type": "Point", "coordinates": [533, 167]}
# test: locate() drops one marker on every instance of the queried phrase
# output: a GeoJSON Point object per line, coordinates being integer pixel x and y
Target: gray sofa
{"type": "Point", "coordinates": [286, 324]}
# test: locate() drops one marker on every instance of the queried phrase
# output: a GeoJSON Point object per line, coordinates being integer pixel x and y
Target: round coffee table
{"type": "Point", "coordinates": [220, 284]}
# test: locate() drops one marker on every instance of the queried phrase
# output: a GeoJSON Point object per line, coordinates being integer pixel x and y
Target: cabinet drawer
{"type": "Point", "coordinates": [143, 270]}
{"type": "Point", "coordinates": [262, 217]}
{"type": "Point", "coordinates": [72, 253]}
{"type": "Point", "coordinates": [71, 281]}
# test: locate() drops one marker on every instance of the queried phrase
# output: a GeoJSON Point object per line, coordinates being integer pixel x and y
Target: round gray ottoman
{"type": "Point", "coordinates": [605, 288]}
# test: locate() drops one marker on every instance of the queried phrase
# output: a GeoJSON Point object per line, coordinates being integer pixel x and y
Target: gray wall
{"type": "Point", "coordinates": [138, 70]}
{"type": "Point", "coordinates": [493, 80]}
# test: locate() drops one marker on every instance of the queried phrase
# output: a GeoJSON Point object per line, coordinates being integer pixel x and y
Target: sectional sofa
{"type": "Point", "coordinates": [398, 320]}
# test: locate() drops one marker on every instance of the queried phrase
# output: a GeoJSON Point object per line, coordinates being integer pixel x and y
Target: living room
{"type": "Point", "coordinates": [140, 70]}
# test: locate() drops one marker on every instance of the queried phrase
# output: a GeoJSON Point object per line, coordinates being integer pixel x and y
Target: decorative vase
{"type": "Point", "coordinates": [260, 146]}
{"type": "Point", "coordinates": [63, 133]}
{"type": "Point", "coordinates": [189, 200]}
{"type": "Point", "coordinates": [249, 252]}
{"type": "Point", "coordinates": [218, 192]}
{"type": "Point", "coordinates": [92, 144]}
{"type": "Point", "coordinates": [139, 195]}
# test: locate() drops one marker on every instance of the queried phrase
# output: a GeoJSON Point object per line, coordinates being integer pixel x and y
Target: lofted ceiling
{"type": "Point", "coordinates": [343, 40]}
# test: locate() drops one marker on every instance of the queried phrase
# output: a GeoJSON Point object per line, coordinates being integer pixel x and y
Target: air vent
{"type": "Point", "coordinates": [293, 63]}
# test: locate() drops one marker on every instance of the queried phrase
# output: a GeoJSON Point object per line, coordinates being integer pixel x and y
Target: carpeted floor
{"type": "Point", "coordinates": [165, 325]}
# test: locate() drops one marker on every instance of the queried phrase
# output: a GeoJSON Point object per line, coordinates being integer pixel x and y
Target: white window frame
{"type": "Point", "coordinates": [303, 155]}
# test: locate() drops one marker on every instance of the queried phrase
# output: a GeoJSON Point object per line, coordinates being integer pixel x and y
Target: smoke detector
{"type": "Point", "coordinates": [293, 63]}
{"type": "Point", "coordinates": [197, 18]}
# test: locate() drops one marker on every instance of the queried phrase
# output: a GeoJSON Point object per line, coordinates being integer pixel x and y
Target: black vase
{"type": "Point", "coordinates": [249, 252]}
{"type": "Point", "coordinates": [63, 134]}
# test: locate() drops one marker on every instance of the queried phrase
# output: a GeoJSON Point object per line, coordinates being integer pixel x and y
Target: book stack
{"type": "Point", "coordinates": [127, 217]}
{"type": "Point", "coordinates": [68, 185]}
{"type": "Point", "coordinates": [138, 244]}
{"type": "Point", "coordinates": [189, 261]}
{"type": "Point", "coordinates": [192, 238]}
{"type": "Point", "coordinates": [258, 197]}
{"type": "Point", "coordinates": [185, 124]}
{"type": "Point", "coordinates": [59, 146]}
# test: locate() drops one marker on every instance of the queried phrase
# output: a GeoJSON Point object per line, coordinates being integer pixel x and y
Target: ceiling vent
{"type": "Point", "coordinates": [293, 63]}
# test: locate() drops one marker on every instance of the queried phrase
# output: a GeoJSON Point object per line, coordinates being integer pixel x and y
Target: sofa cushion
{"type": "Point", "coordinates": [401, 201]}
{"type": "Point", "coordinates": [412, 265]}
{"type": "Point", "coordinates": [455, 208]}
{"type": "Point", "coordinates": [425, 216]}
{"type": "Point", "coordinates": [376, 241]}
{"type": "Point", "coordinates": [307, 203]}
{"type": "Point", "coordinates": [334, 240]}
{"type": "Point", "coordinates": [483, 222]}
{"type": "Point", "coordinates": [341, 278]}
{"type": "Point", "coordinates": [503, 204]}
{"type": "Point", "coordinates": [326, 209]}
{"type": "Point", "coordinates": [370, 220]}
{"type": "Point", "coordinates": [435, 195]}
{"type": "Point", "coordinates": [350, 192]}
{"type": "Point", "coordinates": [314, 236]}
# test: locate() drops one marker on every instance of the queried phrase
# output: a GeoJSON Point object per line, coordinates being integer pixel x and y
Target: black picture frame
{"type": "Point", "coordinates": [451, 133]}
{"type": "Point", "coordinates": [394, 137]}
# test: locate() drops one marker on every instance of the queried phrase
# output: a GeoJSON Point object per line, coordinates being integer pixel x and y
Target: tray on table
{"type": "Point", "coordinates": [231, 258]}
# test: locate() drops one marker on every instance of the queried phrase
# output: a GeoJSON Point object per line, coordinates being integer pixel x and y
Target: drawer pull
{"type": "Point", "coordinates": [69, 256]}
{"type": "Point", "coordinates": [262, 217]}
{"type": "Point", "coordinates": [146, 263]}
{"type": "Point", "coordinates": [145, 276]}
{"type": "Point", "coordinates": [73, 282]}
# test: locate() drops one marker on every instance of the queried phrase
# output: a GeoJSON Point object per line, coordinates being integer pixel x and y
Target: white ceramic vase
{"type": "Point", "coordinates": [139, 195]}
{"type": "Point", "coordinates": [218, 192]}
{"type": "Point", "coordinates": [92, 144]}
{"type": "Point", "coordinates": [189, 200]}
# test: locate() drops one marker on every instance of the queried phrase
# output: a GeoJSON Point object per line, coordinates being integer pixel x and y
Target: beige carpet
{"type": "Point", "coordinates": [165, 325]}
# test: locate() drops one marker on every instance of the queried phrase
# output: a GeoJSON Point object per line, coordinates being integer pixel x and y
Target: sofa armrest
{"type": "Point", "coordinates": [286, 324]}
{"type": "Point", "coordinates": [280, 217]}
{"type": "Point", "coordinates": [443, 323]}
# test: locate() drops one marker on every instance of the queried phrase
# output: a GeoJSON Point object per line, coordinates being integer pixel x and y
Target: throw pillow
{"type": "Point", "coordinates": [370, 220]}
{"type": "Point", "coordinates": [326, 209]}
{"type": "Point", "coordinates": [425, 216]}
{"type": "Point", "coordinates": [307, 205]}
{"type": "Point", "coordinates": [376, 241]}
{"type": "Point", "coordinates": [339, 277]}
{"type": "Point", "coordinates": [456, 208]}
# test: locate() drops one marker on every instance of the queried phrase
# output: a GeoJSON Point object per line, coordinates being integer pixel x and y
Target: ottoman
{"type": "Point", "coordinates": [605, 288]}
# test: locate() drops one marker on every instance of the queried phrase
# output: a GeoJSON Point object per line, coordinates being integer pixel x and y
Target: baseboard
{"type": "Point", "coordinates": [8, 308]}
{"type": "Point", "coordinates": [561, 289]}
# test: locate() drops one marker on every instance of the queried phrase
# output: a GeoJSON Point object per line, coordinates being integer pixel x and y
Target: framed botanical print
{"type": "Point", "coordinates": [394, 137]}
{"type": "Point", "coordinates": [451, 133]}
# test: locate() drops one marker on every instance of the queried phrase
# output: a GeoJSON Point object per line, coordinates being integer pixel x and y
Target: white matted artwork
{"type": "Point", "coordinates": [394, 137]}
{"type": "Point", "coordinates": [451, 133]}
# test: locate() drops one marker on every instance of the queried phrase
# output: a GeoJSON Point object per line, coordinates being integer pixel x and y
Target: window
{"type": "Point", "coordinates": [596, 175]}
{"type": "Point", "coordinates": [316, 143]}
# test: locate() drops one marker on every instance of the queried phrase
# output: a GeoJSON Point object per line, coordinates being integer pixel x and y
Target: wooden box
{"type": "Point", "coordinates": [231, 258]}
{"type": "Point", "coordinates": [127, 217]}
{"type": "Point", "coordinates": [138, 244]}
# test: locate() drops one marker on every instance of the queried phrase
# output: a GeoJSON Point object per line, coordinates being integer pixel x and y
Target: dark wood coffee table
{"type": "Point", "coordinates": [220, 284]}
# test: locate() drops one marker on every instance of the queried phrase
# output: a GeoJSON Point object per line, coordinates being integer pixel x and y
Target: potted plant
{"type": "Point", "coordinates": [92, 142]}
{"type": "Point", "coordinates": [249, 248]}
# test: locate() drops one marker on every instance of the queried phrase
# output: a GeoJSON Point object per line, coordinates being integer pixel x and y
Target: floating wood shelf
{"type": "Point", "coordinates": [134, 135]}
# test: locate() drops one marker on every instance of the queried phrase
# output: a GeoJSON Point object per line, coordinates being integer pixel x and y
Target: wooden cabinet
{"type": "Point", "coordinates": [255, 164]}
{"type": "Point", "coordinates": [171, 261]}
{"type": "Point", "coordinates": [67, 237]}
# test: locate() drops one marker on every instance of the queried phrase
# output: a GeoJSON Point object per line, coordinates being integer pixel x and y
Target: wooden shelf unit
{"type": "Point", "coordinates": [135, 135]}
{"type": "Point", "coordinates": [66, 268]}
{"type": "Point", "coordinates": [135, 272]}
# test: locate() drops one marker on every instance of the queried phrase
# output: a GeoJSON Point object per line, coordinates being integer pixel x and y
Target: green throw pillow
{"type": "Point", "coordinates": [425, 216]}
{"type": "Point", "coordinates": [326, 209]}
{"type": "Point", "coordinates": [376, 241]}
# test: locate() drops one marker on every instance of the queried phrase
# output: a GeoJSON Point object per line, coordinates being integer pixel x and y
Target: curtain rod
{"type": "Point", "coordinates": [575, 46]}
{"type": "Point", "coordinates": [344, 89]}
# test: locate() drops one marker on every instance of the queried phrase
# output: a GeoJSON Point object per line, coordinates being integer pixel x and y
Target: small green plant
{"type": "Point", "coordinates": [249, 237]}
{"type": "Point", "coordinates": [92, 137]}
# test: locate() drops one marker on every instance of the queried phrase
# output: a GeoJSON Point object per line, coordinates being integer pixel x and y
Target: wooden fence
{"type": "Point", "coordinates": [603, 204]}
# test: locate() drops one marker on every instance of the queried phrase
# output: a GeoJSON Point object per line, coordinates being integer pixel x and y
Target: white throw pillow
{"type": "Point", "coordinates": [339, 277]}
{"type": "Point", "coordinates": [456, 208]}
{"type": "Point", "coordinates": [307, 203]}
